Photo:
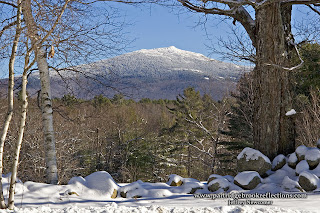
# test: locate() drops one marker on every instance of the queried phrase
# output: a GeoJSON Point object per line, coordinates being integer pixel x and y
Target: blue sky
{"type": "Point", "coordinates": [156, 26]}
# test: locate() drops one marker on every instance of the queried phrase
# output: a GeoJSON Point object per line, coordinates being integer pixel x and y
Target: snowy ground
{"type": "Point", "coordinates": [84, 195]}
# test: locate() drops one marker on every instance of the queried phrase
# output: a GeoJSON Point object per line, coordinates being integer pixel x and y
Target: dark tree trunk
{"type": "Point", "coordinates": [273, 131]}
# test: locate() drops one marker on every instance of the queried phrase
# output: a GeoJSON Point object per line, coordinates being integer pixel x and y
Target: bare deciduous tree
{"type": "Point", "coordinates": [46, 102]}
{"type": "Point", "coordinates": [10, 96]}
{"type": "Point", "coordinates": [270, 33]}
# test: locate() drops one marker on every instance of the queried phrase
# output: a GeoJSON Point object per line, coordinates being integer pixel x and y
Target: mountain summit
{"type": "Point", "coordinates": [153, 73]}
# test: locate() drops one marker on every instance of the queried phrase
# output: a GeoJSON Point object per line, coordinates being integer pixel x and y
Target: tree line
{"type": "Point", "coordinates": [147, 140]}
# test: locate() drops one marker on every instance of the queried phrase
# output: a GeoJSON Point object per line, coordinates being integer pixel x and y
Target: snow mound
{"type": "Point", "coordinates": [290, 185]}
{"type": "Point", "coordinates": [96, 184]}
{"type": "Point", "coordinates": [140, 189]}
{"type": "Point", "coordinates": [302, 166]}
{"type": "Point", "coordinates": [276, 177]}
{"type": "Point", "coordinates": [252, 154]}
{"type": "Point", "coordinates": [189, 186]}
{"type": "Point", "coordinates": [133, 190]}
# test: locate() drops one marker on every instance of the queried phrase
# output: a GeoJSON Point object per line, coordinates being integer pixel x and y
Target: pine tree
{"type": "Point", "coordinates": [308, 76]}
{"type": "Point", "coordinates": [241, 116]}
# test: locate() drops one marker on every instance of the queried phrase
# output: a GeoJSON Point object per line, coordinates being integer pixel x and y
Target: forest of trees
{"type": "Point", "coordinates": [193, 136]}
{"type": "Point", "coordinates": [147, 140]}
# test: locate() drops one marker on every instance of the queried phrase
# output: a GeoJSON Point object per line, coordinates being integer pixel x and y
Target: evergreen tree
{"type": "Point", "coordinates": [100, 100]}
{"type": "Point", "coordinates": [199, 120]}
{"type": "Point", "coordinates": [308, 76]}
{"type": "Point", "coordinates": [241, 116]}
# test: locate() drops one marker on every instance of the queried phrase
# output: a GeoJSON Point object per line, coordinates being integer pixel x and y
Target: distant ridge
{"type": "Point", "coordinates": [160, 73]}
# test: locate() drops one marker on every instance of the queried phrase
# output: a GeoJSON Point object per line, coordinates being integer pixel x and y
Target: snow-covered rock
{"type": "Point", "coordinates": [184, 185]}
{"type": "Point", "coordinates": [301, 167]}
{"type": "Point", "coordinates": [175, 180]}
{"type": "Point", "coordinates": [308, 181]}
{"type": "Point", "coordinates": [213, 177]}
{"type": "Point", "coordinates": [219, 183]}
{"type": "Point", "coordinates": [190, 187]}
{"type": "Point", "coordinates": [253, 160]}
{"type": "Point", "coordinates": [102, 183]}
{"type": "Point", "coordinates": [247, 180]}
{"type": "Point", "coordinates": [312, 156]}
{"type": "Point", "coordinates": [278, 162]}
{"type": "Point", "coordinates": [77, 185]}
{"type": "Point", "coordinates": [291, 185]}
{"type": "Point", "coordinates": [301, 152]}
{"type": "Point", "coordinates": [140, 189]}
{"type": "Point", "coordinates": [292, 160]}
{"type": "Point", "coordinates": [134, 190]}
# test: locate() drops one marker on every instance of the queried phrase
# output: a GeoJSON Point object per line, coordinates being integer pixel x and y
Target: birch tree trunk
{"type": "Point", "coordinates": [45, 95]}
{"type": "Point", "coordinates": [273, 131]}
{"type": "Point", "coordinates": [19, 141]}
{"type": "Point", "coordinates": [10, 99]}
{"type": "Point", "coordinates": [47, 117]}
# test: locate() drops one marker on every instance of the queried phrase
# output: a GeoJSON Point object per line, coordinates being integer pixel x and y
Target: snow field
{"type": "Point", "coordinates": [98, 192]}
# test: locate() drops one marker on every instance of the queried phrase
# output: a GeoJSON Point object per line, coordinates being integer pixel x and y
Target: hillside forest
{"type": "Point", "coordinates": [192, 136]}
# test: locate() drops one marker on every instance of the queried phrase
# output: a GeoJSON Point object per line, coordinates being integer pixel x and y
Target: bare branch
{"type": "Point", "coordinates": [8, 3]}
{"type": "Point", "coordinates": [315, 2]}
{"type": "Point", "coordinates": [290, 68]}
{"type": "Point", "coordinates": [56, 22]}
{"type": "Point", "coordinates": [314, 9]}
{"type": "Point", "coordinates": [213, 10]}
{"type": "Point", "coordinates": [236, 11]}
{"type": "Point", "coordinates": [8, 26]}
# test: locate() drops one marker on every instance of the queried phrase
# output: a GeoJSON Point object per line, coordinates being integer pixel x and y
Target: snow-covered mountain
{"type": "Point", "coordinates": [155, 73]}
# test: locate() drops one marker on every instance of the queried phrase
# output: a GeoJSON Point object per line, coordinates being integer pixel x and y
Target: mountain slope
{"type": "Point", "coordinates": [156, 73]}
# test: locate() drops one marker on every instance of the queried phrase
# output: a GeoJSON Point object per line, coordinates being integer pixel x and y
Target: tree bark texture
{"type": "Point", "coordinates": [10, 98]}
{"type": "Point", "coordinates": [273, 131]}
{"type": "Point", "coordinates": [47, 117]}
{"type": "Point", "coordinates": [15, 163]}
{"type": "Point", "coordinates": [45, 95]}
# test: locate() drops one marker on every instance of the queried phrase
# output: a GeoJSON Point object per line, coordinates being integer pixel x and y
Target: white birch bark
{"type": "Point", "coordinates": [10, 99]}
{"type": "Point", "coordinates": [19, 141]}
{"type": "Point", "coordinates": [45, 95]}
{"type": "Point", "coordinates": [47, 118]}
